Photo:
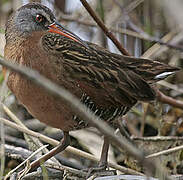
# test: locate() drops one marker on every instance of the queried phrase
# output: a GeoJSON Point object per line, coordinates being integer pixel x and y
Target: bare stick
{"type": "Point", "coordinates": [168, 100]}
{"type": "Point", "coordinates": [168, 151]}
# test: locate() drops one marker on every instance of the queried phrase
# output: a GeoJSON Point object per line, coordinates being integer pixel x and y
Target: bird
{"type": "Point", "coordinates": [108, 84]}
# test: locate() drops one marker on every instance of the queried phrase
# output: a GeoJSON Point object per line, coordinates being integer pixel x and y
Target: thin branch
{"type": "Point", "coordinates": [171, 37]}
{"type": "Point", "coordinates": [104, 28]}
{"type": "Point", "coordinates": [171, 86]}
{"type": "Point", "coordinates": [168, 151]}
{"type": "Point", "coordinates": [157, 138]}
{"type": "Point", "coordinates": [21, 164]}
{"type": "Point", "coordinates": [132, 5]}
{"type": "Point", "coordinates": [169, 100]}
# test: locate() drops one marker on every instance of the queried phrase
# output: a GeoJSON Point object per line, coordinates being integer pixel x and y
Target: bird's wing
{"type": "Point", "coordinates": [150, 70]}
{"type": "Point", "coordinates": [96, 69]}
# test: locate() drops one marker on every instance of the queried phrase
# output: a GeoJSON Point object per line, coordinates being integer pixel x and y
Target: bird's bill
{"type": "Point", "coordinates": [59, 29]}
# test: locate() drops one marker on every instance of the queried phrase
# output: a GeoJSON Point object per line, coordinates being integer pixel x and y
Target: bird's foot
{"type": "Point", "coordinates": [101, 170]}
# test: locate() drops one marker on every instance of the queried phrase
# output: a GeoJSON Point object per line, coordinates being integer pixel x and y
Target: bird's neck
{"type": "Point", "coordinates": [13, 49]}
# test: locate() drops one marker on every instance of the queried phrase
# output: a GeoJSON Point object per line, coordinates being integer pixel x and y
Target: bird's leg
{"type": "Point", "coordinates": [123, 130]}
{"type": "Point", "coordinates": [104, 153]}
{"type": "Point", "coordinates": [63, 144]}
{"type": "Point", "coordinates": [101, 169]}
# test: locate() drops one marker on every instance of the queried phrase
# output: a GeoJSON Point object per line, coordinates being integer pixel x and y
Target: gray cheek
{"type": "Point", "coordinates": [25, 26]}
{"type": "Point", "coordinates": [24, 22]}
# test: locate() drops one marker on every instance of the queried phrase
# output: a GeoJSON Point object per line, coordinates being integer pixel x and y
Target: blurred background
{"type": "Point", "coordinates": [146, 28]}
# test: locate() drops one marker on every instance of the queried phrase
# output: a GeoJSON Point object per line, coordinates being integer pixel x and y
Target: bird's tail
{"type": "Point", "coordinates": [151, 71]}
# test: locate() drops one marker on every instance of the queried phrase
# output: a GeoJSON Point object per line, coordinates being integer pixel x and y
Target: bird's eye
{"type": "Point", "coordinates": [40, 18]}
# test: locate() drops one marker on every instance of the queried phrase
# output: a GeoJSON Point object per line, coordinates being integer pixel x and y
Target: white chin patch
{"type": "Point", "coordinates": [163, 75]}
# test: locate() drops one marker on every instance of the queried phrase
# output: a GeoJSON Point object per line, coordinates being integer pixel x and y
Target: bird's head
{"type": "Point", "coordinates": [35, 17]}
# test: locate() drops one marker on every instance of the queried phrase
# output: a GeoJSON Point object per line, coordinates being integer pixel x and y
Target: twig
{"type": "Point", "coordinates": [126, 177]}
{"type": "Point", "coordinates": [40, 175]}
{"type": "Point", "coordinates": [68, 169]}
{"type": "Point", "coordinates": [33, 154]}
{"type": "Point", "coordinates": [168, 151]}
{"type": "Point", "coordinates": [171, 86]}
{"type": "Point", "coordinates": [15, 141]}
{"type": "Point", "coordinates": [157, 138]}
{"type": "Point", "coordinates": [170, 37]}
{"type": "Point", "coordinates": [132, 5]}
{"type": "Point", "coordinates": [143, 121]}
{"type": "Point", "coordinates": [168, 100]}
{"type": "Point", "coordinates": [17, 153]}
{"type": "Point", "coordinates": [104, 28]}
{"type": "Point", "coordinates": [123, 130]}
{"type": "Point", "coordinates": [161, 138]}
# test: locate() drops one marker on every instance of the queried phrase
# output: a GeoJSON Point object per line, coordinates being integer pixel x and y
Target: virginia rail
{"type": "Point", "coordinates": [108, 84]}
